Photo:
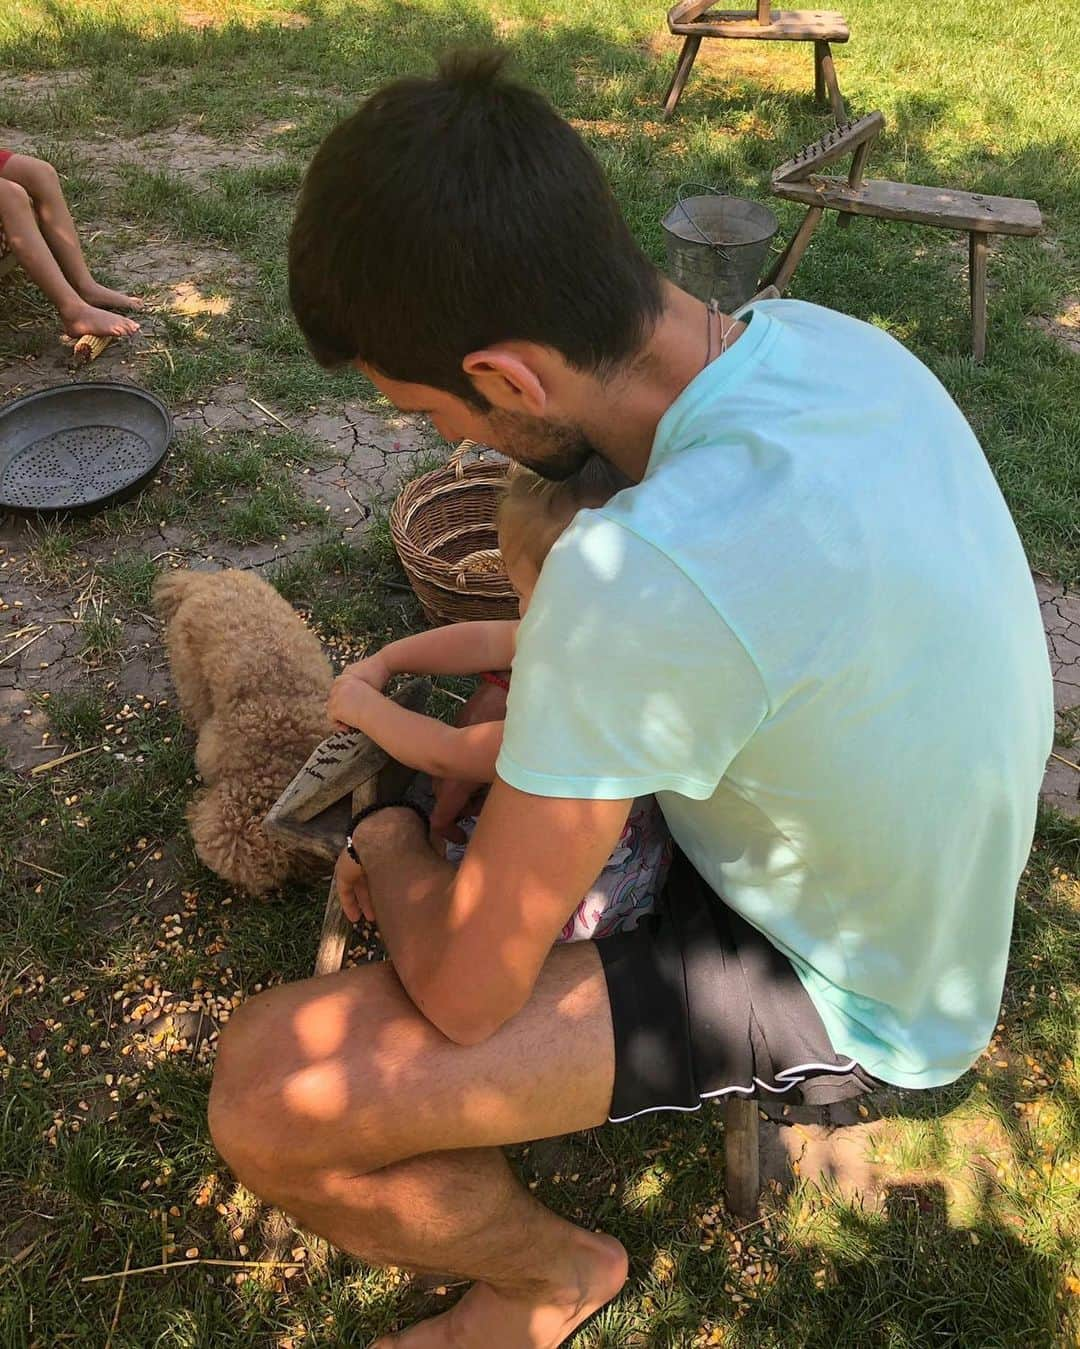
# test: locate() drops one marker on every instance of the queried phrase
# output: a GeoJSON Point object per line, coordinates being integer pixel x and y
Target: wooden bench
{"type": "Point", "coordinates": [942, 208]}
{"type": "Point", "coordinates": [692, 20]}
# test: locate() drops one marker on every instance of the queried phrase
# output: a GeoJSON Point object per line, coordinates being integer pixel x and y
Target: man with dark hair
{"type": "Point", "coordinates": [807, 627]}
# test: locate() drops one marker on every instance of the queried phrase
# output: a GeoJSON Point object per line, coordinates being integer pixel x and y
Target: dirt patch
{"type": "Point", "coordinates": [181, 150]}
{"type": "Point", "coordinates": [178, 275]}
{"type": "Point", "coordinates": [1064, 327]}
{"type": "Point", "coordinates": [39, 86]}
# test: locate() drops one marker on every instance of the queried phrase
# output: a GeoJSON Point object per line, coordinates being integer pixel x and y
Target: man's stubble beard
{"type": "Point", "coordinates": [554, 450]}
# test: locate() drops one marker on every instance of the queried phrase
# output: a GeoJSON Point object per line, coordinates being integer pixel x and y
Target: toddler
{"type": "Point", "coordinates": [531, 517]}
{"type": "Point", "coordinates": [41, 234]}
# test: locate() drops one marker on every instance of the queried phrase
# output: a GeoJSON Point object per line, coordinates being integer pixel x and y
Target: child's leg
{"type": "Point", "coordinates": [36, 258]}
{"type": "Point", "coordinates": [627, 889]}
{"type": "Point", "coordinates": [42, 182]}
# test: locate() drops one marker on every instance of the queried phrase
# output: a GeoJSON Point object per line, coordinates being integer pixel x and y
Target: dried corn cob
{"type": "Point", "coordinates": [90, 347]}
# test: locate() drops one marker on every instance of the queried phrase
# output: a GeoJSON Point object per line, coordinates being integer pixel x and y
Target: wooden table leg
{"type": "Point", "coordinates": [784, 270]}
{"type": "Point", "coordinates": [977, 251]}
{"type": "Point", "coordinates": [825, 80]}
{"type": "Point", "coordinates": [336, 928]}
{"type": "Point", "coordinates": [682, 74]}
{"type": "Point", "coordinates": [742, 1179]}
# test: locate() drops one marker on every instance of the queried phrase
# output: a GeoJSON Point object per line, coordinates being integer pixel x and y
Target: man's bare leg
{"type": "Point", "coordinates": [42, 183]}
{"type": "Point", "coordinates": [336, 1099]}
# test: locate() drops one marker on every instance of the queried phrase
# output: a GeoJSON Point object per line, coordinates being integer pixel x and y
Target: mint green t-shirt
{"type": "Point", "coordinates": [811, 631]}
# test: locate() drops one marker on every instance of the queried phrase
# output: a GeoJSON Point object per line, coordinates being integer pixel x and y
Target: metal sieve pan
{"type": "Point", "coordinates": [80, 446]}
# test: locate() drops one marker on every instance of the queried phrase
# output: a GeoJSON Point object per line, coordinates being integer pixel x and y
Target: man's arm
{"type": "Point", "coordinates": [468, 946]}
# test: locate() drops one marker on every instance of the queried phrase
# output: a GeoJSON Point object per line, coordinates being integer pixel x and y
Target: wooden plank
{"type": "Point", "coordinates": [764, 11]}
{"type": "Point", "coordinates": [781, 274]}
{"type": "Point", "coordinates": [788, 25]}
{"type": "Point", "coordinates": [742, 1178]}
{"type": "Point", "coordinates": [840, 140]}
{"type": "Point", "coordinates": [941, 207]}
{"type": "Point", "coordinates": [324, 835]}
{"type": "Point", "coordinates": [977, 250]}
{"type": "Point", "coordinates": [682, 73]}
{"type": "Point", "coordinates": [854, 178]}
{"type": "Point", "coordinates": [686, 11]}
{"type": "Point", "coordinates": [335, 766]}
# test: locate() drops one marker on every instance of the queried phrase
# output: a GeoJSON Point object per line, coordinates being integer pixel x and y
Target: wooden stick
{"type": "Point", "coordinates": [12, 654]}
{"type": "Point", "coordinates": [23, 861]}
{"type": "Point", "coordinates": [764, 12]}
{"type": "Point", "coordinates": [1067, 762]}
{"type": "Point", "coordinates": [781, 274]}
{"type": "Point", "coordinates": [120, 1295]}
{"type": "Point", "coordinates": [184, 1264]}
{"type": "Point", "coordinates": [682, 74]}
{"type": "Point", "coordinates": [742, 1179]}
{"type": "Point", "coordinates": [855, 177]}
{"type": "Point", "coordinates": [977, 249]}
{"type": "Point", "coordinates": [270, 414]}
{"type": "Point", "coordinates": [64, 758]}
{"type": "Point", "coordinates": [828, 72]}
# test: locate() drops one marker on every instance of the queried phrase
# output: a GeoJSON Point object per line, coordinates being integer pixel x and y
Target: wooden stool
{"type": "Point", "coordinates": [341, 776]}
{"type": "Point", "coordinates": [689, 20]}
{"type": "Point", "coordinates": [940, 207]}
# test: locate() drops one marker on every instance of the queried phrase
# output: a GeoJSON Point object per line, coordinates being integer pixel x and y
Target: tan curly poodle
{"type": "Point", "coordinates": [253, 683]}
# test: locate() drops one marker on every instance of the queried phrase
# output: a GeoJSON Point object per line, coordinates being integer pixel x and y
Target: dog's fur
{"type": "Point", "coordinates": [253, 683]}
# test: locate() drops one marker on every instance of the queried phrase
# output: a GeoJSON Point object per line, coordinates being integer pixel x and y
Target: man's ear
{"type": "Point", "coordinates": [510, 379]}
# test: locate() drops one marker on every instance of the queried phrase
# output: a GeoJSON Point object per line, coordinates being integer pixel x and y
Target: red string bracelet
{"type": "Point", "coordinates": [489, 677]}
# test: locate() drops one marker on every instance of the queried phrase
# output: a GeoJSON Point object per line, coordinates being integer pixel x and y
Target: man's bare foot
{"type": "Point", "coordinates": [84, 320]}
{"type": "Point", "coordinates": [105, 298]}
{"type": "Point", "coordinates": [543, 1319]}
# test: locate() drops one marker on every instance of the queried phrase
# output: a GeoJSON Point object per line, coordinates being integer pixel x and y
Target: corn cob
{"type": "Point", "coordinates": [89, 347]}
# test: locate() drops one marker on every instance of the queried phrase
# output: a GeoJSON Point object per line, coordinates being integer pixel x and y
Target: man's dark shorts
{"type": "Point", "coordinates": [704, 1006]}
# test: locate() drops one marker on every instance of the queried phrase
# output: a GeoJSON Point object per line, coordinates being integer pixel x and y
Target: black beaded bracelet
{"type": "Point", "coordinates": [374, 810]}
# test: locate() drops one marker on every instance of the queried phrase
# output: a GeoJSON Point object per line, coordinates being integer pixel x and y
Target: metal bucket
{"type": "Point", "coordinates": [716, 246]}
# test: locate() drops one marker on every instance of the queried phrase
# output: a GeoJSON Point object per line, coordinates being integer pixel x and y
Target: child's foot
{"type": "Point", "coordinates": [109, 299]}
{"type": "Point", "coordinates": [85, 320]}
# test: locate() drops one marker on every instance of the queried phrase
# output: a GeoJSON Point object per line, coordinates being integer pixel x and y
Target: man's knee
{"type": "Point", "coordinates": [293, 1084]}
{"type": "Point", "coordinates": [244, 1125]}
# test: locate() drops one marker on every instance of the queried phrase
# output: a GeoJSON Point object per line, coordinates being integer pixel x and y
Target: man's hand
{"type": "Point", "coordinates": [381, 834]}
{"type": "Point", "coordinates": [452, 796]}
{"type": "Point", "coordinates": [352, 889]}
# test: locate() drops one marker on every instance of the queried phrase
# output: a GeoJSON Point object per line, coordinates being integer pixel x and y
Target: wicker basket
{"type": "Point", "coordinates": [443, 527]}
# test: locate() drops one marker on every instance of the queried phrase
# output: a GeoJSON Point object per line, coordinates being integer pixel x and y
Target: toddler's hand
{"type": "Point", "coordinates": [348, 698]}
{"type": "Point", "coordinates": [371, 670]}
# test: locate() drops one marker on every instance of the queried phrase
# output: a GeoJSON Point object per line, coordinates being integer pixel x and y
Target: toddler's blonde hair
{"type": "Point", "coordinates": [534, 511]}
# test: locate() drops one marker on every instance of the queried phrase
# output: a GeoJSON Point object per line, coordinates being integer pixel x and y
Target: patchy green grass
{"type": "Point", "coordinates": [108, 926]}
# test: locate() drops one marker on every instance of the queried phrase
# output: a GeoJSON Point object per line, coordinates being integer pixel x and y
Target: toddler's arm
{"type": "Point", "coordinates": [458, 648]}
{"type": "Point", "coordinates": [417, 741]}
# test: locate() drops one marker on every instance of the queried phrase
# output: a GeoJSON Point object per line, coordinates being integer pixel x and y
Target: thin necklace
{"type": "Point", "coordinates": [713, 309]}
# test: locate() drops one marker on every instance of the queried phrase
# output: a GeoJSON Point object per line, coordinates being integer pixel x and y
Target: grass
{"type": "Point", "coordinates": [107, 923]}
